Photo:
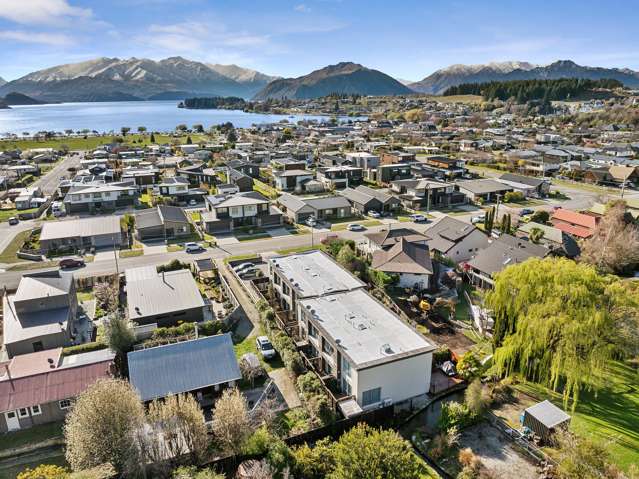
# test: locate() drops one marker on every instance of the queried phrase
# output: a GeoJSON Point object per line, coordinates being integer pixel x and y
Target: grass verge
{"type": "Point", "coordinates": [366, 223]}
{"type": "Point", "coordinates": [33, 435]}
{"type": "Point", "coordinates": [130, 253]}
{"type": "Point", "coordinates": [9, 253]}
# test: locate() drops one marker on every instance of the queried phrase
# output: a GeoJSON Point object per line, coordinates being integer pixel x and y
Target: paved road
{"type": "Point", "coordinates": [49, 182]}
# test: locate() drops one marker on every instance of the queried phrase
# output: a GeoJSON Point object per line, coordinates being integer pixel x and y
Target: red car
{"type": "Point", "coordinates": [71, 263]}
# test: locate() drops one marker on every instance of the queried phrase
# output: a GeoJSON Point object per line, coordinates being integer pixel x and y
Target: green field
{"type": "Point", "coordinates": [469, 99]}
{"type": "Point", "coordinates": [610, 414]}
{"type": "Point", "coordinates": [91, 142]}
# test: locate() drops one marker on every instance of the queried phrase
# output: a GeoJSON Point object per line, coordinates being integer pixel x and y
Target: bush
{"type": "Point", "coordinates": [83, 348]}
{"type": "Point", "coordinates": [514, 197]}
{"type": "Point", "coordinates": [210, 328]}
{"type": "Point", "coordinates": [315, 399]}
{"type": "Point", "coordinates": [469, 366]}
{"type": "Point", "coordinates": [442, 355]}
{"type": "Point", "coordinates": [174, 331]}
{"type": "Point", "coordinates": [173, 265]}
{"type": "Point", "coordinates": [455, 415]}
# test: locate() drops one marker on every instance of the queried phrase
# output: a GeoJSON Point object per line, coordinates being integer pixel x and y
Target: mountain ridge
{"type": "Point", "coordinates": [344, 77]}
{"type": "Point", "coordinates": [436, 83]}
{"type": "Point", "coordinates": [112, 79]}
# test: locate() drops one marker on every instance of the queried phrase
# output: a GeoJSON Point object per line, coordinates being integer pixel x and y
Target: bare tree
{"type": "Point", "coordinates": [231, 424]}
{"type": "Point", "coordinates": [106, 296]}
{"type": "Point", "coordinates": [614, 246]}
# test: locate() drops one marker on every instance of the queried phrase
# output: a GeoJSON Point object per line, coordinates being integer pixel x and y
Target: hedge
{"type": "Point", "coordinates": [84, 348]}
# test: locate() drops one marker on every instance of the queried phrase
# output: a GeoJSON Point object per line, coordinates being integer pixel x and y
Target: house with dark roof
{"type": "Point", "coordinates": [387, 238]}
{"type": "Point", "coordinates": [161, 222]}
{"type": "Point", "coordinates": [179, 190]}
{"type": "Point", "coordinates": [455, 239]}
{"type": "Point", "coordinates": [82, 233]}
{"type": "Point", "coordinates": [337, 177]}
{"type": "Point", "coordinates": [229, 212]}
{"type": "Point", "coordinates": [364, 199]}
{"type": "Point", "coordinates": [243, 181]}
{"type": "Point", "coordinates": [40, 387]}
{"type": "Point", "coordinates": [556, 240]}
{"type": "Point", "coordinates": [198, 174]}
{"type": "Point", "coordinates": [485, 190]}
{"type": "Point", "coordinates": [292, 180]}
{"type": "Point", "coordinates": [321, 208]}
{"type": "Point", "coordinates": [499, 254]}
{"type": "Point", "coordinates": [429, 194]}
{"type": "Point", "coordinates": [530, 186]}
{"type": "Point", "coordinates": [42, 314]}
{"type": "Point", "coordinates": [409, 261]}
{"type": "Point", "coordinates": [202, 367]}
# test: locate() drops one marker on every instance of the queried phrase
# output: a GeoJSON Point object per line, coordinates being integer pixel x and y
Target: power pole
{"type": "Point", "coordinates": [115, 255]}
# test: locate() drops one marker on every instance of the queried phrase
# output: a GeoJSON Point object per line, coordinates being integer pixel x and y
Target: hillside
{"type": "Point", "coordinates": [113, 79]}
{"type": "Point", "coordinates": [14, 98]}
{"type": "Point", "coordinates": [2, 81]}
{"type": "Point", "coordinates": [454, 75]}
{"type": "Point", "coordinates": [349, 78]}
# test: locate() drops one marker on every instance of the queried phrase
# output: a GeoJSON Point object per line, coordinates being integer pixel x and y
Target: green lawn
{"type": "Point", "coordinates": [84, 296]}
{"type": "Point", "coordinates": [257, 236]}
{"type": "Point", "coordinates": [32, 435]}
{"type": "Point", "coordinates": [610, 414]}
{"type": "Point", "coordinates": [265, 189]}
{"type": "Point", "coordinates": [247, 345]}
{"type": "Point", "coordinates": [33, 265]}
{"type": "Point", "coordinates": [297, 249]}
{"type": "Point", "coordinates": [6, 214]}
{"type": "Point", "coordinates": [9, 253]}
{"type": "Point", "coordinates": [366, 223]}
{"type": "Point", "coordinates": [130, 253]}
{"type": "Point", "coordinates": [241, 257]}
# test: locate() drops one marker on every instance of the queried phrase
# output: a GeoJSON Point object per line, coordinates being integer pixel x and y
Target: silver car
{"type": "Point", "coordinates": [265, 347]}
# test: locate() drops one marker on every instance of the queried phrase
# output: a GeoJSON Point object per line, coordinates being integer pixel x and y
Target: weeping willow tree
{"type": "Point", "coordinates": [558, 323]}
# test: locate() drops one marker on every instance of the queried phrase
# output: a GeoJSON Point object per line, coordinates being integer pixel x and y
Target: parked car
{"type": "Point", "coordinates": [265, 347]}
{"type": "Point", "coordinates": [249, 272]}
{"type": "Point", "coordinates": [240, 267]}
{"type": "Point", "coordinates": [70, 263]}
{"type": "Point", "coordinates": [328, 238]}
{"type": "Point", "coordinates": [478, 219]}
{"type": "Point", "coordinates": [374, 214]}
{"type": "Point", "coordinates": [13, 221]}
{"type": "Point", "coordinates": [526, 211]}
{"type": "Point", "coordinates": [417, 218]}
{"type": "Point", "coordinates": [193, 248]}
{"type": "Point", "coordinates": [355, 227]}
{"type": "Point", "coordinates": [311, 222]}
{"type": "Point", "coordinates": [192, 202]}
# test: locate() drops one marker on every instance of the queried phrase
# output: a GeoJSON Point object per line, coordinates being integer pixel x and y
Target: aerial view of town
{"type": "Point", "coordinates": [337, 239]}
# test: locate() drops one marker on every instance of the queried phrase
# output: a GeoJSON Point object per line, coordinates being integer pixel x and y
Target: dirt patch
{"type": "Point", "coordinates": [497, 453]}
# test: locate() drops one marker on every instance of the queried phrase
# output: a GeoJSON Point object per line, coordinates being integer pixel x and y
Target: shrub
{"type": "Point", "coordinates": [442, 355]}
{"type": "Point", "coordinates": [173, 265]}
{"type": "Point", "coordinates": [514, 197]}
{"type": "Point", "coordinates": [469, 366]}
{"type": "Point", "coordinates": [83, 348]}
{"type": "Point", "coordinates": [456, 415]}
{"type": "Point", "coordinates": [210, 328]}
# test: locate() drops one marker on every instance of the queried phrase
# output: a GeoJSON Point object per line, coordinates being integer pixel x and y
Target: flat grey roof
{"type": "Point", "coordinates": [150, 294]}
{"type": "Point", "coordinates": [314, 273]}
{"type": "Point", "coordinates": [483, 186]}
{"type": "Point", "coordinates": [366, 331]}
{"type": "Point", "coordinates": [182, 367]}
{"type": "Point", "coordinates": [83, 227]}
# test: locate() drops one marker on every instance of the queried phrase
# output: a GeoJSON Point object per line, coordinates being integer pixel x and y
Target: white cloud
{"type": "Point", "coordinates": [43, 38]}
{"type": "Point", "coordinates": [42, 12]}
{"type": "Point", "coordinates": [303, 8]}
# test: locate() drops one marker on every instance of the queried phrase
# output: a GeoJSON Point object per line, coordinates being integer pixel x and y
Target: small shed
{"type": "Point", "coordinates": [544, 419]}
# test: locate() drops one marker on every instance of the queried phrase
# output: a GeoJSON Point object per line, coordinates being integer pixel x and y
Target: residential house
{"type": "Point", "coordinates": [337, 177]}
{"type": "Point", "coordinates": [444, 166]}
{"type": "Point", "coordinates": [141, 175]}
{"type": "Point", "coordinates": [161, 222]}
{"type": "Point", "coordinates": [95, 197]}
{"type": "Point", "coordinates": [579, 225]}
{"type": "Point", "coordinates": [499, 254]}
{"type": "Point", "coordinates": [249, 209]}
{"type": "Point", "coordinates": [418, 194]}
{"type": "Point", "coordinates": [485, 190]}
{"type": "Point", "coordinates": [164, 298]}
{"type": "Point", "coordinates": [243, 181]}
{"type": "Point", "coordinates": [298, 210]}
{"type": "Point", "coordinates": [42, 314]}
{"type": "Point", "coordinates": [455, 239]}
{"type": "Point", "coordinates": [292, 180]}
{"type": "Point", "coordinates": [28, 197]}
{"type": "Point", "coordinates": [363, 160]}
{"type": "Point", "coordinates": [247, 167]}
{"type": "Point", "coordinates": [198, 174]}
{"type": "Point", "coordinates": [179, 190]}
{"type": "Point", "coordinates": [623, 175]}
{"type": "Point", "coordinates": [288, 163]}
{"type": "Point", "coordinates": [529, 186]}
{"type": "Point", "coordinates": [395, 157]}
{"type": "Point", "coordinates": [556, 240]}
{"type": "Point", "coordinates": [364, 199]}
{"type": "Point", "coordinates": [385, 239]}
{"type": "Point", "coordinates": [392, 172]}
{"type": "Point", "coordinates": [201, 367]}
{"type": "Point", "coordinates": [81, 234]}
{"type": "Point", "coordinates": [410, 261]}
{"type": "Point", "coordinates": [40, 387]}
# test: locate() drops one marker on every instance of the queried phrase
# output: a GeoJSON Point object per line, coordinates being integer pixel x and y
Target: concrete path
{"type": "Point", "coordinates": [284, 383]}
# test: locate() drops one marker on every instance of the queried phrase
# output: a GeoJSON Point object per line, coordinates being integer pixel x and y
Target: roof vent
{"type": "Point", "coordinates": [386, 349]}
{"type": "Point", "coordinates": [361, 326]}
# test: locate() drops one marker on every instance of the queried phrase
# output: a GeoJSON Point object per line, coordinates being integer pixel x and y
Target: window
{"type": "Point", "coordinates": [38, 346]}
{"type": "Point", "coordinates": [327, 348]}
{"type": "Point", "coordinates": [35, 410]}
{"type": "Point", "coordinates": [312, 331]}
{"type": "Point", "coordinates": [23, 412]}
{"type": "Point", "coordinates": [328, 369]}
{"type": "Point", "coordinates": [65, 404]}
{"type": "Point", "coordinates": [346, 367]}
{"type": "Point", "coordinates": [372, 396]}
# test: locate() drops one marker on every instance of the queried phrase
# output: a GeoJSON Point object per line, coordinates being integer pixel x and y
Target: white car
{"type": "Point", "coordinates": [192, 202]}
{"type": "Point", "coordinates": [418, 218]}
{"type": "Point", "coordinates": [265, 347]}
{"type": "Point", "coordinates": [192, 248]}
{"type": "Point", "coordinates": [311, 222]}
{"type": "Point", "coordinates": [478, 219]}
{"type": "Point", "coordinates": [241, 267]}
{"type": "Point", "coordinates": [355, 227]}
{"type": "Point", "coordinates": [374, 214]}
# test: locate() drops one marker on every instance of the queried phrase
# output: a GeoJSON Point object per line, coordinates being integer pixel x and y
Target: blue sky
{"type": "Point", "coordinates": [407, 39]}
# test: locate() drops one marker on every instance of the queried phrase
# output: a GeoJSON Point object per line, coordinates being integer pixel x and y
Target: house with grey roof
{"type": "Point", "coordinates": [292, 180]}
{"type": "Point", "coordinates": [163, 298]}
{"type": "Point", "coordinates": [485, 189]}
{"type": "Point", "coordinates": [201, 367]}
{"type": "Point", "coordinates": [162, 222]}
{"type": "Point", "coordinates": [364, 199]}
{"type": "Point", "coordinates": [409, 261]}
{"type": "Point", "coordinates": [227, 213]}
{"type": "Point", "coordinates": [385, 239]}
{"type": "Point", "coordinates": [530, 186]}
{"type": "Point", "coordinates": [558, 241]}
{"type": "Point", "coordinates": [455, 239]}
{"type": "Point", "coordinates": [498, 255]}
{"type": "Point", "coordinates": [100, 196]}
{"type": "Point", "coordinates": [81, 234]}
{"type": "Point", "coordinates": [299, 209]}
{"type": "Point", "coordinates": [42, 314]}
{"type": "Point", "coordinates": [544, 419]}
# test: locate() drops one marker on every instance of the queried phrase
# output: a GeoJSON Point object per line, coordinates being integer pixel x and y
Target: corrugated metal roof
{"type": "Point", "coordinates": [182, 367]}
{"type": "Point", "coordinates": [83, 227]}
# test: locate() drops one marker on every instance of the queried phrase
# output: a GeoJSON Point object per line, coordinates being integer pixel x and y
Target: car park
{"type": "Point", "coordinates": [355, 227]}
{"type": "Point", "coordinates": [193, 248]}
{"type": "Point", "coordinates": [265, 347]}
{"type": "Point", "coordinates": [13, 221]}
{"type": "Point", "coordinates": [70, 263]}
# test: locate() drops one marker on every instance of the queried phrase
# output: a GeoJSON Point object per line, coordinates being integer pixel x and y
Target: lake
{"type": "Point", "coordinates": [111, 116]}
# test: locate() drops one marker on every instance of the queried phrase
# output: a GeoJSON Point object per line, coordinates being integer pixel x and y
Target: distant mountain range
{"type": "Point", "coordinates": [113, 79]}
{"type": "Point", "coordinates": [2, 81]}
{"type": "Point", "coordinates": [176, 78]}
{"type": "Point", "coordinates": [350, 78]}
{"type": "Point", "coordinates": [438, 82]}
